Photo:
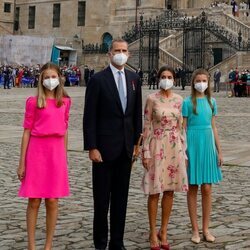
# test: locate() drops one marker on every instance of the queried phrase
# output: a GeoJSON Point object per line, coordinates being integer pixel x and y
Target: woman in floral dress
{"type": "Point", "coordinates": [163, 154]}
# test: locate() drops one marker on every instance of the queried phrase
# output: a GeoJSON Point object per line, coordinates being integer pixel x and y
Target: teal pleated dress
{"type": "Point", "coordinates": [203, 167]}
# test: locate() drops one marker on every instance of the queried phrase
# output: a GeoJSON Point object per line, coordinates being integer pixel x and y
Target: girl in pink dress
{"type": "Point", "coordinates": [43, 169]}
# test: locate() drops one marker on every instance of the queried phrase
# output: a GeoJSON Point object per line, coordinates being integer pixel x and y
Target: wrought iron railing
{"type": "Point", "coordinates": [171, 19]}
{"type": "Point", "coordinates": [95, 48]}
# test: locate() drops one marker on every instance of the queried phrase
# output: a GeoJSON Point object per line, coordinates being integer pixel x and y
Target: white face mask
{"type": "Point", "coordinates": [201, 86]}
{"type": "Point", "coordinates": [51, 83]}
{"type": "Point", "coordinates": [166, 84]}
{"type": "Point", "coordinates": [119, 59]}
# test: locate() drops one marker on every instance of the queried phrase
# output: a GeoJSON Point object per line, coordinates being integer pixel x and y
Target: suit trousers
{"type": "Point", "coordinates": [216, 86]}
{"type": "Point", "coordinates": [110, 189]}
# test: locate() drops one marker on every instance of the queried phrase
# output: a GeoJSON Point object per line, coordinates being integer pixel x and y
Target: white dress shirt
{"type": "Point", "coordinates": [116, 75]}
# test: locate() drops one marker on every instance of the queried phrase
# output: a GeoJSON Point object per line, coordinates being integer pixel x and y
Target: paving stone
{"type": "Point", "coordinates": [231, 198]}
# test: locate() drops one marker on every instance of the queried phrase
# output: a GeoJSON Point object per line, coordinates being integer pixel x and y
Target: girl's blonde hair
{"type": "Point", "coordinates": [59, 90]}
{"type": "Point", "coordinates": [194, 91]}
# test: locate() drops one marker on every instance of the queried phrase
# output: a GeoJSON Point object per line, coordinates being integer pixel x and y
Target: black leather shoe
{"type": "Point", "coordinates": [117, 248]}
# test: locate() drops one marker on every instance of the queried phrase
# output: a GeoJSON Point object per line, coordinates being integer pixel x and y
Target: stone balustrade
{"type": "Point", "coordinates": [169, 59]}
{"type": "Point", "coordinates": [237, 26]}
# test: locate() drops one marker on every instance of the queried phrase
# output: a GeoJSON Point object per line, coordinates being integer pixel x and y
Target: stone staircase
{"type": "Point", "coordinates": [225, 27]}
{"type": "Point", "coordinates": [235, 26]}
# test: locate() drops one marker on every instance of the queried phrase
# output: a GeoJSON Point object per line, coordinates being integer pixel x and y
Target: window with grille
{"type": "Point", "coordinates": [32, 17]}
{"type": "Point", "coordinates": [138, 2]}
{"type": "Point", "coordinates": [16, 21]}
{"type": "Point", "coordinates": [7, 7]}
{"type": "Point", "coordinates": [81, 13]}
{"type": "Point", "coordinates": [56, 14]}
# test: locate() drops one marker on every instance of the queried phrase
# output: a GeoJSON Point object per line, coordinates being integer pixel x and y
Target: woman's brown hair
{"type": "Point", "coordinates": [166, 68]}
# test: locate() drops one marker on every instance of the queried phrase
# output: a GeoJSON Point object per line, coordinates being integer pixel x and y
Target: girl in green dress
{"type": "Point", "coordinates": [203, 150]}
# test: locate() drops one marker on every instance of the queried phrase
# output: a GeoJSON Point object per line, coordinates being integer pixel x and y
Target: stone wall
{"type": "Point", "coordinates": [25, 50]}
{"type": "Point", "coordinates": [96, 61]}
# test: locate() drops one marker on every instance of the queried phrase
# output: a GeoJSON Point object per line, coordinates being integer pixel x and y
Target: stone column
{"type": "Point", "coordinates": [183, 4]}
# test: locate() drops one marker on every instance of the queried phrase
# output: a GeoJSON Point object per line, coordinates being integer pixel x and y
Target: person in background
{"type": "Point", "coordinates": [140, 73]}
{"type": "Point", "coordinates": [153, 79]}
{"type": "Point", "coordinates": [86, 75]}
{"type": "Point", "coordinates": [231, 78]}
{"type": "Point", "coordinates": [92, 72]}
{"type": "Point", "coordinates": [217, 76]}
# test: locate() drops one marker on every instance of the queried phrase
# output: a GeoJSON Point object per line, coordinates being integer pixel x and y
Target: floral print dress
{"type": "Point", "coordinates": [164, 145]}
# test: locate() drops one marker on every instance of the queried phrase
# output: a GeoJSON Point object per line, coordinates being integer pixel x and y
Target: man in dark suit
{"type": "Point", "coordinates": [112, 125]}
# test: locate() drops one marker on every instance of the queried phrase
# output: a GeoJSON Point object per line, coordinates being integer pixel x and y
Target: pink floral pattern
{"type": "Point", "coordinates": [173, 138]}
{"type": "Point", "coordinates": [160, 155]}
{"type": "Point", "coordinates": [158, 133]}
{"type": "Point", "coordinates": [178, 105]}
{"type": "Point", "coordinates": [163, 145]}
{"type": "Point", "coordinates": [165, 121]}
{"type": "Point", "coordinates": [172, 170]}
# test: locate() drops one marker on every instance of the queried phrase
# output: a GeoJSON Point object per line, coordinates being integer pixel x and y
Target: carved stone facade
{"type": "Point", "coordinates": [77, 23]}
{"type": "Point", "coordinates": [113, 17]}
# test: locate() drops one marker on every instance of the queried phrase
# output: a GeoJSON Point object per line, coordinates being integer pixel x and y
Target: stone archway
{"type": "Point", "coordinates": [106, 40]}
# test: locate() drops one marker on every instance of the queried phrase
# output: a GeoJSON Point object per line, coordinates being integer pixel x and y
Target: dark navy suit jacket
{"type": "Point", "coordinates": [105, 126]}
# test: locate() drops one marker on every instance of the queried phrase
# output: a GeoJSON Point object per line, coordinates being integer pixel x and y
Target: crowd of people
{"type": "Point", "coordinates": [242, 5]}
{"type": "Point", "coordinates": [239, 82]}
{"type": "Point", "coordinates": [24, 76]}
{"type": "Point", "coordinates": [180, 149]}
{"type": "Point", "coordinates": [236, 6]}
{"type": "Point", "coordinates": [219, 4]}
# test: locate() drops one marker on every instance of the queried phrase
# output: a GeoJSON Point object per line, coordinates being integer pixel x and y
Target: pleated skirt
{"type": "Point", "coordinates": [203, 167]}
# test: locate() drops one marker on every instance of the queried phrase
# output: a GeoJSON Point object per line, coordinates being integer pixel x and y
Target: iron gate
{"type": "Point", "coordinates": [149, 46]}
{"type": "Point", "coordinates": [202, 40]}
{"type": "Point", "coordinates": [194, 41]}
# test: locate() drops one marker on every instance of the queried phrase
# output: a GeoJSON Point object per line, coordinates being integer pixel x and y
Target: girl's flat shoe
{"type": "Point", "coordinates": [196, 238]}
{"type": "Point", "coordinates": [208, 237]}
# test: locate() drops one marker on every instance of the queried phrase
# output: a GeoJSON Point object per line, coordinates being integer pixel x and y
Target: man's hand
{"type": "Point", "coordinates": [145, 163]}
{"type": "Point", "coordinates": [136, 152]}
{"type": "Point", "coordinates": [95, 155]}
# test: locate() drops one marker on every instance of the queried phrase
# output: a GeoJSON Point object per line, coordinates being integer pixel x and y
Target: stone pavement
{"type": "Point", "coordinates": [231, 210]}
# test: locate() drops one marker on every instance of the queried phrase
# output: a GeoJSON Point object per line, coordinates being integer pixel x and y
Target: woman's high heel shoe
{"type": "Point", "coordinates": [208, 237]}
{"type": "Point", "coordinates": [154, 247]}
{"type": "Point", "coordinates": [164, 246]}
